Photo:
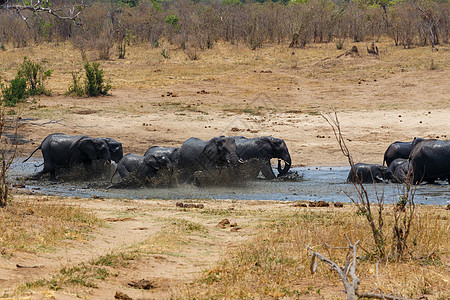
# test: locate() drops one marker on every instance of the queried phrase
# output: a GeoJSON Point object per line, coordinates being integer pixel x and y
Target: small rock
{"type": "Point", "coordinates": [28, 212]}
{"type": "Point", "coordinates": [122, 296]}
{"type": "Point", "coordinates": [142, 284]}
{"type": "Point", "coordinates": [189, 205]}
{"type": "Point", "coordinates": [338, 204]}
{"type": "Point", "coordinates": [448, 206]}
{"type": "Point", "coordinates": [235, 229]}
{"type": "Point", "coordinates": [223, 223]}
{"type": "Point", "coordinates": [233, 224]}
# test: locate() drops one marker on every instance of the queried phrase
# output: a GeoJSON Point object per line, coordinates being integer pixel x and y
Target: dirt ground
{"type": "Point", "coordinates": [230, 91]}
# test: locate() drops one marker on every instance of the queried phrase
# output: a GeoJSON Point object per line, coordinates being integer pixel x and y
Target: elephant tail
{"type": "Point", "coordinates": [40, 147]}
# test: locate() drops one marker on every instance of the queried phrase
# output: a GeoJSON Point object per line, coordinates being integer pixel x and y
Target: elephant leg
{"type": "Point", "coordinates": [266, 170]}
{"type": "Point", "coordinates": [48, 168]}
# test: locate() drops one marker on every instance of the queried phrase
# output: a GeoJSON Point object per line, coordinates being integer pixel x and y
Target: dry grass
{"type": "Point", "coordinates": [243, 72]}
{"type": "Point", "coordinates": [30, 225]}
{"type": "Point", "coordinates": [276, 263]}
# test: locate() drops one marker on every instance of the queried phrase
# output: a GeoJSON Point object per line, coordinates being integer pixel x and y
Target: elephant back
{"type": "Point", "coordinates": [430, 160]}
{"type": "Point", "coordinates": [190, 153]}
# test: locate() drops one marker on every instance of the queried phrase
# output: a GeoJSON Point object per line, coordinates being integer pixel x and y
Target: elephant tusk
{"type": "Point", "coordinates": [228, 161]}
{"type": "Point", "coordinates": [241, 161]}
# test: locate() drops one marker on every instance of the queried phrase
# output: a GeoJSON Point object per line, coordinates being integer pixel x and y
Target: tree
{"type": "Point", "coordinates": [71, 13]}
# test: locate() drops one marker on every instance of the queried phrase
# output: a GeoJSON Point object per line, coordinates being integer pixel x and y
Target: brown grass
{"type": "Point", "coordinates": [33, 226]}
{"type": "Point", "coordinates": [244, 71]}
{"type": "Point", "coordinates": [276, 263]}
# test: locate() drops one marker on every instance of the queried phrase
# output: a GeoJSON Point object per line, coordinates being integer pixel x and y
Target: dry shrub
{"type": "Point", "coordinates": [32, 225]}
{"type": "Point", "coordinates": [97, 32]}
{"type": "Point", "coordinates": [16, 32]}
{"type": "Point", "coordinates": [276, 264]}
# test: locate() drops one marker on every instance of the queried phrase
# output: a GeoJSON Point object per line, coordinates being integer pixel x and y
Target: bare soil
{"type": "Point", "coordinates": [230, 91]}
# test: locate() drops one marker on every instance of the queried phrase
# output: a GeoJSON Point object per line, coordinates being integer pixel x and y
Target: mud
{"type": "Point", "coordinates": [317, 184]}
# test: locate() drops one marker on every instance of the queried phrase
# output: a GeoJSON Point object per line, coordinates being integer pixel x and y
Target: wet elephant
{"type": "Point", "coordinates": [368, 173]}
{"type": "Point", "coordinates": [173, 153]}
{"type": "Point", "coordinates": [115, 149]}
{"type": "Point", "coordinates": [139, 169]}
{"type": "Point", "coordinates": [214, 158]}
{"type": "Point", "coordinates": [257, 152]}
{"type": "Point", "coordinates": [430, 160]}
{"type": "Point", "coordinates": [61, 150]}
{"type": "Point", "coordinates": [399, 150]}
{"type": "Point", "coordinates": [399, 170]}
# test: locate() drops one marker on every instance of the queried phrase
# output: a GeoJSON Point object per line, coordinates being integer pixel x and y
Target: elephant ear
{"type": "Point", "coordinates": [265, 146]}
{"type": "Point", "coordinates": [83, 145]}
{"type": "Point", "coordinates": [212, 149]}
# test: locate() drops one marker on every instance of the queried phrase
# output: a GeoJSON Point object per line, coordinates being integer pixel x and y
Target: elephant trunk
{"type": "Point", "coordinates": [287, 164]}
{"type": "Point", "coordinates": [233, 159]}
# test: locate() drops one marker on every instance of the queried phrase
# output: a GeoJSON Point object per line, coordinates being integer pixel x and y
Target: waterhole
{"type": "Point", "coordinates": [318, 183]}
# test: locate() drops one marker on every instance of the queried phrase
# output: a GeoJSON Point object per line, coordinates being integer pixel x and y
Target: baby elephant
{"type": "Point", "coordinates": [137, 168]}
{"type": "Point", "coordinates": [400, 170]}
{"type": "Point", "coordinates": [368, 173]}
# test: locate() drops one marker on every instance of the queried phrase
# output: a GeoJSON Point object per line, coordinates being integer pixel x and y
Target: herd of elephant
{"type": "Point", "coordinates": [233, 159]}
{"type": "Point", "coordinates": [421, 160]}
{"type": "Point", "coordinates": [221, 159]}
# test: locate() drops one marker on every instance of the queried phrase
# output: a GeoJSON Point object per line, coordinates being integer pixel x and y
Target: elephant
{"type": "Point", "coordinates": [399, 170]}
{"type": "Point", "coordinates": [142, 168]}
{"type": "Point", "coordinates": [399, 150]}
{"type": "Point", "coordinates": [173, 153]}
{"type": "Point", "coordinates": [430, 160]}
{"type": "Point", "coordinates": [61, 150]}
{"type": "Point", "coordinates": [257, 153]}
{"type": "Point", "coordinates": [115, 149]}
{"type": "Point", "coordinates": [211, 157]}
{"type": "Point", "coordinates": [368, 173]}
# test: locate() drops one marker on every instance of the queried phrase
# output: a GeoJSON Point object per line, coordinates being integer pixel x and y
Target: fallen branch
{"type": "Point", "coordinates": [346, 272]}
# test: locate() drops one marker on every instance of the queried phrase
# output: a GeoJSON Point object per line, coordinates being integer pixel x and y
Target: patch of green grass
{"type": "Point", "coordinates": [115, 259]}
{"type": "Point", "coordinates": [188, 226]}
{"type": "Point", "coordinates": [258, 111]}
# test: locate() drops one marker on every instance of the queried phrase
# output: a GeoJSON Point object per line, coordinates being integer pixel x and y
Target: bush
{"type": "Point", "coordinates": [94, 83]}
{"type": "Point", "coordinates": [29, 81]}
{"type": "Point", "coordinates": [16, 92]}
{"type": "Point", "coordinates": [35, 75]}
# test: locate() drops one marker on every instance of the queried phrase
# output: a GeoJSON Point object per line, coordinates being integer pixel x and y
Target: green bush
{"type": "Point", "coordinates": [16, 92]}
{"type": "Point", "coordinates": [94, 83]}
{"type": "Point", "coordinates": [35, 75]}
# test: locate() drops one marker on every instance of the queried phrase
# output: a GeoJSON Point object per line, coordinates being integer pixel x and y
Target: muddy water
{"type": "Point", "coordinates": [318, 183]}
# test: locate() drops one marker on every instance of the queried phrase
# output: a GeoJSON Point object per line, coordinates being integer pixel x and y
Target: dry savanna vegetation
{"type": "Point", "coordinates": [207, 68]}
{"type": "Point", "coordinates": [184, 254]}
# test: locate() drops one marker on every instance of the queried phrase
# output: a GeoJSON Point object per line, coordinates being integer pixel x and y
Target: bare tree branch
{"type": "Point", "coordinates": [348, 271]}
{"type": "Point", "coordinates": [45, 6]}
{"type": "Point", "coordinates": [362, 199]}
